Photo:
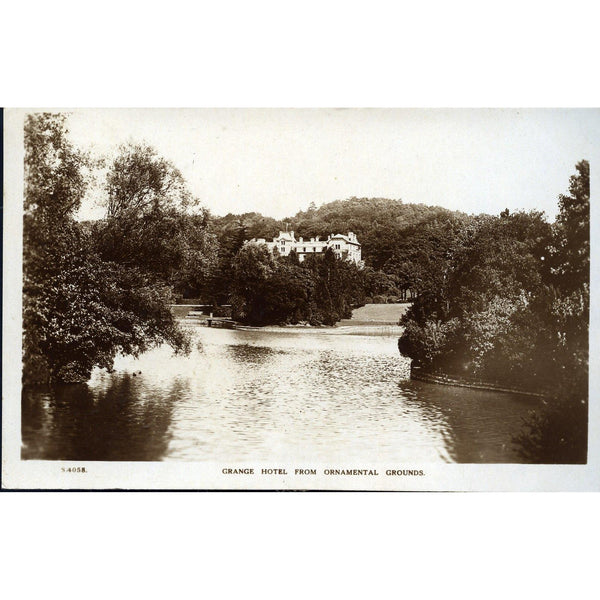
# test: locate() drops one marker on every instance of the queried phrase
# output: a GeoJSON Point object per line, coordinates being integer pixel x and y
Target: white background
{"type": "Point", "coordinates": [299, 545]}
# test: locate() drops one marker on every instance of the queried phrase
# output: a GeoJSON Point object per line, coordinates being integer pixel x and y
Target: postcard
{"type": "Point", "coordinates": [299, 299]}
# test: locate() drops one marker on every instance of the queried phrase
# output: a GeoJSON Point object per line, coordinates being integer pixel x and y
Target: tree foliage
{"type": "Point", "coordinates": [55, 172]}
{"type": "Point", "coordinates": [404, 246]}
{"type": "Point", "coordinates": [278, 290]}
{"type": "Point", "coordinates": [512, 307]}
{"type": "Point", "coordinates": [154, 223]}
{"type": "Point", "coordinates": [572, 233]}
{"type": "Point", "coordinates": [379, 223]}
{"type": "Point", "coordinates": [79, 308]}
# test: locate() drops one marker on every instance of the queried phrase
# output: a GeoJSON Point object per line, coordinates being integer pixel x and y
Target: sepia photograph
{"type": "Point", "coordinates": [299, 298]}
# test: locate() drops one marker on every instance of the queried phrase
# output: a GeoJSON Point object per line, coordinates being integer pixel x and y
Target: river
{"type": "Point", "coordinates": [271, 396]}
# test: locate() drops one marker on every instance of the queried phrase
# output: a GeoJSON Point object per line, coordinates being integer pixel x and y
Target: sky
{"type": "Point", "coordinates": [278, 161]}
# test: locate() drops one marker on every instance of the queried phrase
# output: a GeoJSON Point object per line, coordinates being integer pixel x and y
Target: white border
{"type": "Point", "coordinates": [514, 53]}
{"type": "Point", "coordinates": [30, 474]}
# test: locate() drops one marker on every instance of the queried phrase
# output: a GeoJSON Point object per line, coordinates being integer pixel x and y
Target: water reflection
{"type": "Point", "coordinates": [79, 422]}
{"type": "Point", "coordinates": [247, 355]}
{"type": "Point", "coordinates": [477, 426]}
{"type": "Point", "coordinates": [260, 396]}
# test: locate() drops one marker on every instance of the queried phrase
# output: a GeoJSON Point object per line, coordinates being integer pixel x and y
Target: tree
{"type": "Point", "coordinates": [288, 295]}
{"type": "Point", "coordinates": [253, 267]}
{"type": "Point", "coordinates": [153, 221]}
{"type": "Point", "coordinates": [338, 286]}
{"type": "Point", "coordinates": [560, 433]}
{"type": "Point", "coordinates": [87, 311]}
{"type": "Point", "coordinates": [54, 187]}
{"type": "Point", "coordinates": [140, 183]}
{"type": "Point", "coordinates": [511, 306]}
{"type": "Point", "coordinates": [197, 258]}
{"type": "Point", "coordinates": [55, 180]}
{"type": "Point", "coordinates": [491, 275]}
{"type": "Point", "coordinates": [270, 289]}
{"type": "Point", "coordinates": [79, 310]}
{"type": "Point", "coordinates": [572, 233]}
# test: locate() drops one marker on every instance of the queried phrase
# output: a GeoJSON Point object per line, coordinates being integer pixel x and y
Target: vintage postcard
{"type": "Point", "coordinates": [299, 299]}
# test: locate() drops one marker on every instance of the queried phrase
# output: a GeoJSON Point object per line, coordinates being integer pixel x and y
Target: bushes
{"type": "Point", "coordinates": [557, 435]}
{"type": "Point", "coordinates": [431, 345]}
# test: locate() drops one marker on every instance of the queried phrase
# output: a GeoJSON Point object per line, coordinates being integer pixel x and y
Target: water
{"type": "Point", "coordinates": [302, 397]}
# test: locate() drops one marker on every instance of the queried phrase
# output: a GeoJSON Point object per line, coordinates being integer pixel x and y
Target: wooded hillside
{"type": "Point", "coordinates": [403, 245]}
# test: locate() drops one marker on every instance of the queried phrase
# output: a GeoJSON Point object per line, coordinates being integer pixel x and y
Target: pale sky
{"type": "Point", "coordinates": [278, 161]}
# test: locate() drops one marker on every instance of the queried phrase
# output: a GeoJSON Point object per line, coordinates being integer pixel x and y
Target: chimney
{"type": "Point", "coordinates": [301, 240]}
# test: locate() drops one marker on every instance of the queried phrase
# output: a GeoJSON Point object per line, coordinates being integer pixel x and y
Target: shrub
{"type": "Point", "coordinates": [429, 344]}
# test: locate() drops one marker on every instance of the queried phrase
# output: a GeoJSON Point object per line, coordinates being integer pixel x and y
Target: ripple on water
{"type": "Point", "coordinates": [264, 396]}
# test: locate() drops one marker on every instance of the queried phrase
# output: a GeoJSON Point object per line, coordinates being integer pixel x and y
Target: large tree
{"type": "Point", "coordinates": [253, 268]}
{"type": "Point", "coordinates": [494, 272]}
{"type": "Point", "coordinates": [153, 221]}
{"type": "Point", "coordinates": [79, 310]}
{"type": "Point", "coordinates": [55, 184]}
{"type": "Point", "coordinates": [571, 255]}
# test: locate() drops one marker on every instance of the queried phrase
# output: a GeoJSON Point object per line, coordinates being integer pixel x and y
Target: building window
{"type": "Point", "coordinates": [303, 249]}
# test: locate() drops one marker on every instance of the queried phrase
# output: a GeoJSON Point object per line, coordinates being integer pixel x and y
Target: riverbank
{"type": "Point", "coordinates": [371, 329]}
{"type": "Point", "coordinates": [418, 374]}
{"type": "Point", "coordinates": [371, 319]}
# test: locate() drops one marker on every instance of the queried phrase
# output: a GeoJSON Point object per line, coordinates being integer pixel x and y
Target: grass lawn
{"type": "Point", "coordinates": [377, 314]}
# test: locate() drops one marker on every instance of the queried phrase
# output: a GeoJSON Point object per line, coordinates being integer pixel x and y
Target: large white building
{"type": "Point", "coordinates": [344, 246]}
